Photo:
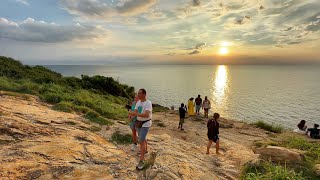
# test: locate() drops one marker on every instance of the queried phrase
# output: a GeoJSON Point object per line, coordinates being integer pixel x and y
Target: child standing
{"type": "Point", "coordinates": [182, 112]}
{"type": "Point", "coordinates": [213, 132]}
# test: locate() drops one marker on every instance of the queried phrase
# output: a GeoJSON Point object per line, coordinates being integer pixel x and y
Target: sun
{"type": "Point", "coordinates": [223, 51]}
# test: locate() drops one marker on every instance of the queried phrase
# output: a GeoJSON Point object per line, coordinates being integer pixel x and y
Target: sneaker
{"type": "Point", "coordinates": [140, 166]}
{"type": "Point", "coordinates": [133, 147]}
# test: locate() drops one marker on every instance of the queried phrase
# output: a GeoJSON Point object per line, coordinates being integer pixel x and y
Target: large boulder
{"type": "Point", "coordinates": [279, 154]}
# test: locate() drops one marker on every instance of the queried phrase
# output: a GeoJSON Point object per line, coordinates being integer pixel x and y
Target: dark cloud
{"type": "Point", "coordinates": [40, 31]}
{"type": "Point", "coordinates": [98, 9]}
{"type": "Point", "coordinates": [196, 2]}
{"type": "Point", "coordinates": [294, 42]}
{"type": "Point", "coordinates": [261, 7]}
{"type": "Point", "coordinates": [194, 52]}
{"type": "Point", "coordinates": [171, 54]}
{"type": "Point", "coordinates": [199, 46]}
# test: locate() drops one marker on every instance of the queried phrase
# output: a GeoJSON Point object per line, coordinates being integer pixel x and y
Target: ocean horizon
{"type": "Point", "coordinates": [276, 94]}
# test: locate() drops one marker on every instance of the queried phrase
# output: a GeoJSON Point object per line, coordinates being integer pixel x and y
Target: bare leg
{"type": "Point", "coordinates": [134, 135]}
{"type": "Point", "coordinates": [146, 146]}
{"type": "Point", "coordinates": [217, 147]}
{"type": "Point", "coordinates": [209, 145]}
{"type": "Point", "coordinates": [142, 150]}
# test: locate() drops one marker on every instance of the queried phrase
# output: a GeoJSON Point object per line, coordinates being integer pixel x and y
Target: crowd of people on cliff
{"type": "Point", "coordinates": [140, 121]}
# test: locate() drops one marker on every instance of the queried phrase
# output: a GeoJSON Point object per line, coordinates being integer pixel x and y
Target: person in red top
{"type": "Point", "coordinates": [213, 132]}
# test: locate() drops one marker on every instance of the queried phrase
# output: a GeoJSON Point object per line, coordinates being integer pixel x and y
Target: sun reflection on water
{"type": "Point", "coordinates": [220, 84]}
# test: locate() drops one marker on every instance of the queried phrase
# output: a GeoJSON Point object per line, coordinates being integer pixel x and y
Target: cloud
{"type": "Point", "coordinates": [24, 2]}
{"type": "Point", "coordinates": [194, 52]}
{"type": "Point", "coordinates": [170, 54]}
{"type": "Point", "coordinates": [196, 2]}
{"type": "Point", "coordinates": [199, 46]}
{"type": "Point", "coordinates": [40, 31]}
{"type": "Point", "coordinates": [98, 9]}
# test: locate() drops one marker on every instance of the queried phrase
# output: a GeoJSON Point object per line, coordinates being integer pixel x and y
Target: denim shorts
{"type": "Point", "coordinates": [142, 133]}
{"type": "Point", "coordinates": [198, 107]}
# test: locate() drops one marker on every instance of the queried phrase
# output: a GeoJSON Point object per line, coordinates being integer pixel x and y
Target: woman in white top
{"type": "Point", "coordinates": [206, 105]}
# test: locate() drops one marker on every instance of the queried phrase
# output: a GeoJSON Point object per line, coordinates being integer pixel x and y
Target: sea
{"type": "Point", "coordinates": [277, 94]}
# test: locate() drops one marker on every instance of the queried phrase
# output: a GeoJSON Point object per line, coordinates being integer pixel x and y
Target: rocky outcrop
{"type": "Point", "coordinates": [39, 143]}
{"type": "Point", "coordinates": [279, 154]}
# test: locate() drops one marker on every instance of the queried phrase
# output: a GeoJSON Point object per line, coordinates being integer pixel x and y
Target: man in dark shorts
{"type": "Point", "coordinates": [198, 101]}
{"type": "Point", "coordinates": [213, 132]}
{"type": "Point", "coordinates": [182, 112]}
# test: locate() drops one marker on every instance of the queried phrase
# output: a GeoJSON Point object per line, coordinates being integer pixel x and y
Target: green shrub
{"type": "Point", "coordinates": [81, 109]}
{"type": "Point", "coordinates": [63, 106]}
{"type": "Point", "coordinates": [268, 127]}
{"type": "Point", "coordinates": [100, 94]}
{"type": "Point", "coordinates": [121, 138]}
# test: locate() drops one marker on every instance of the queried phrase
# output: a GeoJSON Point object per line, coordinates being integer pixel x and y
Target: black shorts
{"type": "Point", "coordinates": [213, 137]}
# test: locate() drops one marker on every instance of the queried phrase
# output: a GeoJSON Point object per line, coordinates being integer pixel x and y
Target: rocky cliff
{"type": "Point", "coordinates": [40, 143]}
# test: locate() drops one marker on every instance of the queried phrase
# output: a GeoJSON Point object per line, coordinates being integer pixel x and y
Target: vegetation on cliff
{"type": "Point", "coordinates": [100, 98]}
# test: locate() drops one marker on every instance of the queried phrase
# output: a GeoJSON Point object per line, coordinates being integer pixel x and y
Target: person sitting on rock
{"type": "Point", "coordinates": [314, 132]}
{"type": "Point", "coordinates": [213, 132]}
{"type": "Point", "coordinates": [302, 125]}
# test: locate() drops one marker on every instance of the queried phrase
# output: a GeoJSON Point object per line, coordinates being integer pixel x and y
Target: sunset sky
{"type": "Point", "coordinates": [160, 31]}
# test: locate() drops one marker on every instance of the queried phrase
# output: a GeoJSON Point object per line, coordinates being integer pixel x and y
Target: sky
{"type": "Point", "coordinates": [161, 31]}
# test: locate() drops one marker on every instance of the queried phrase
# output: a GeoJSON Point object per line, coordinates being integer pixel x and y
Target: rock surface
{"type": "Point", "coordinates": [280, 154]}
{"type": "Point", "coordinates": [40, 143]}
{"type": "Point", "coordinates": [317, 168]}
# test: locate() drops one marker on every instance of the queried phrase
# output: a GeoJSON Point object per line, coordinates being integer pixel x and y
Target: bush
{"type": "Point", "coordinates": [268, 127]}
{"type": "Point", "coordinates": [121, 138]}
{"type": "Point", "coordinates": [100, 94]}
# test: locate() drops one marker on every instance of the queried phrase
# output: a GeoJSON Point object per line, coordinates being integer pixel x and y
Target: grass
{"type": "Point", "coordinates": [269, 127]}
{"type": "Point", "coordinates": [96, 118]}
{"type": "Point", "coordinates": [67, 99]}
{"type": "Point", "coordinates": [95, 128]}
{"type": "Point", "coordinates": [269, 170]}
{"type": "Point", "coordinates": [63, 106]}
{"type": "Point", "coordinates": [304, 168]}
{"type": "Point", "coordinates": [121, 138]}
{"type": "Point", "coordinates": [159, 108]}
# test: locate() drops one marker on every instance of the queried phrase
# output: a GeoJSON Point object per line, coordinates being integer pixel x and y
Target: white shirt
{"type": "Point", "coordinates": [146, 106]}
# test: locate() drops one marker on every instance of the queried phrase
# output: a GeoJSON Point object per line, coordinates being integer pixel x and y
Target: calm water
{"type": "Point", "coordinates": [277, 94]}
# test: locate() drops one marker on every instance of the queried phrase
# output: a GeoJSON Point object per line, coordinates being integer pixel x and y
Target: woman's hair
{"type": "Point", "coordinates": [301, 124]}
{"type": "Point", "coordinates": [216, 116]}
{"type": "Point", "coordinates": [205, 98]}
{"type": "Point", "coordinates": [191, 99]}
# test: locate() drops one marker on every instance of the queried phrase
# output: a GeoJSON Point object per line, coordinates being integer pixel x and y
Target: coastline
{"type": "Point", "coordinates": [40, 142]}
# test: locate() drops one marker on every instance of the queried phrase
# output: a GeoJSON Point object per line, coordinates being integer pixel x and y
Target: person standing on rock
{"type": "Point", "coordinates": [206, 105]}
{"type": "Point", "coordinates": [182, 113]}
{"type": "Point", "coordinates": [190, 107]}
{"type": "Point", "coordinates": [143, 111]}
{"type": "Point", "coordinates": [198, 101]}
{"type": "Point", "coordinates": [132, 123]}
{"type": "Point", "coordinates": [213, 132]}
